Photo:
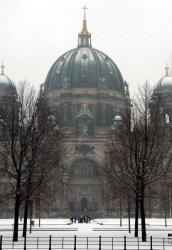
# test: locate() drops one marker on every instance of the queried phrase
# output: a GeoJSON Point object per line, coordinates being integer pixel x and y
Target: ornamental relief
{"type": "Point", "coordinates": [84, 149]}
{"type": "Point", "coordinates": [84, 190]}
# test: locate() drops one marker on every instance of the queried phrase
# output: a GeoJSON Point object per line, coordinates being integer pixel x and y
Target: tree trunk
{"type": "Point", "coordinates": [129, 215]}
{"type": "Point", "coordinates": [143, 220]}
{"type": "Point", "coordinates": [25, 216]}
{"type": "Point", "coordinates": [16, 217]}
{"type": "Point", "coordinates": [165, 210]}
{"type": "Point", "coordinates": [31, 213]}
{"type": "Point", "coordinates": [149, 203]}
{"type": "Point", "coordinates": [120, 211]}
{"type": "Point", "coordinates": [136, 216]}
{"type": "Point", "coordinates": [129, 222]}
{"type": "Point", "coordinates": [165, 204]}
{"type": "Point", "coordinates": [39, 212]}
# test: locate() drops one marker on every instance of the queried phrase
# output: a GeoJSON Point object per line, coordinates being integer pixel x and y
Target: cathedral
{"type": "Point", "coordinates": [86, 91]}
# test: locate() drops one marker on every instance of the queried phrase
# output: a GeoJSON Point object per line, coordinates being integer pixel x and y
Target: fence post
{"type": "Point", "coordinates": [151, 243]}
{"type": "Point", "coordinates": [125, 243]}
{"type": "Point", "coordinates": [1, 243]}
{"type": "Point", "coordinates": [62, 241]}
{"type": "Point", "coordinates": [100, 242]}
{"type": "Point", "coordinates": [50, 243]}
{"type": "Point", "coordinates": [37, 242]}
{"type": "Point", "coordinates": [25, 243]}
{"type": "Point", "coordinates": [163, 244]}
{"type": "Point", "coordinates": [138, 243]}
{"type": "Point", "coordinates": [87, 242]}
{"type": "Point", "coordinates": [75, 242]}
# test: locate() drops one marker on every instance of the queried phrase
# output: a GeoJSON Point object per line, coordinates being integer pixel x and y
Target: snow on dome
{"type": "Point", "coordinates": [164, 84]}
{"type": "Point", "coordinates": [5, 81]}
{"type": "Point", "coordinates": [117, 119]}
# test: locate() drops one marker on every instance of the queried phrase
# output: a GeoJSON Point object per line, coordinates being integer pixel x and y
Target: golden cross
{"type": "Point", "coordinates": [2, 66]}
{"type": "Point", "coordinates": [84, 8]}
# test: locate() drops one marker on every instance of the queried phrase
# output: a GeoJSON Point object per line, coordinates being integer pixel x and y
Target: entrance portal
{"type": "Point", "coordinates": [85, 187]}
{"type": "Point", "coordinates": [83, 204]}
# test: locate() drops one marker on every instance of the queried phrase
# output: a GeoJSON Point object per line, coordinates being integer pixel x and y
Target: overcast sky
{"type": "Point", "coordinates": [135, 34]}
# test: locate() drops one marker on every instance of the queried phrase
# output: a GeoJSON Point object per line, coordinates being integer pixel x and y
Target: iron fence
{"type": "Point", "coordinates": [82, 243]}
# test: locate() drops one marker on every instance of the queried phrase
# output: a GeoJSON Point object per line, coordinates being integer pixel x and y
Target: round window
{"type": "Point", "coordinates": [84, 71]}
{"type": "Point", "coordinates": [84, 56]}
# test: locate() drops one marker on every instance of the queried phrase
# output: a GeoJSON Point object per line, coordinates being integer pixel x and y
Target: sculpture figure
{"type": "Point", "coordinates": [84, 130]}
{"type": "Point", "coordinates": [66, 83]}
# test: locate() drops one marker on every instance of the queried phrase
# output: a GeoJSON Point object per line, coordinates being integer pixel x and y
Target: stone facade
{"type": "Point", "coordinates": [86, 121]}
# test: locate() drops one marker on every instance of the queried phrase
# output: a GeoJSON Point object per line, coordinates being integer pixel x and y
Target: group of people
{"type": "Point", "coordinates": [80, 219]}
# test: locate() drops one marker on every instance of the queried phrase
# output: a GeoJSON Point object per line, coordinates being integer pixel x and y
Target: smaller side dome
{"type": "Point", "coordinates": [165, 83]}
{"type": "Point", "coordinates": [4, 80]}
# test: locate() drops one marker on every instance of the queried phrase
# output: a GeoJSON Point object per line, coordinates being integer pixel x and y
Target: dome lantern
{"type": "Point", "coordinates": [84, 37]}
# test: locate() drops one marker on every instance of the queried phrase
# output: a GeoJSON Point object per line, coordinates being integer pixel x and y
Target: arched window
{"type": "Point", "coordinates": [84, 168]}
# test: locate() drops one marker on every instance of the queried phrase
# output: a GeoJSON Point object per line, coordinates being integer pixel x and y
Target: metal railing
{"type": "Point", "coordinates": [92, 243]}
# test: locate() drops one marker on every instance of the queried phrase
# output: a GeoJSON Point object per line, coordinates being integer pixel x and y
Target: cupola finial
{"type": "Point", "coordinates": [2, 67]}
{"type": "Point", "coordinates": [166, 68]}
{"type": "Point", "coordinates": [84, 8]}
{"type": "Point", "coordinates": [84, 37]}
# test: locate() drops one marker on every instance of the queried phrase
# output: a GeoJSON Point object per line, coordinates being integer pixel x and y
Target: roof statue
{"type": "Point", "coordinates": [66, 83]}
{"type": "Point", "coordinates": [84, 110]}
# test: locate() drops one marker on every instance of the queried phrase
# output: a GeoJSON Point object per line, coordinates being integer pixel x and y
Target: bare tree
{"type": "Point", "coordinates": [163, 195]}
{"type": "Point", "coordinates": [48, 190]}
{"type": "Point", "coordinates": [139, 153]}
{"type": "Point", "coordinates": [29, 139]}
{"type": "Point", "coordinates": [6, 198]}
{"type": "Point", "coordinates": [120, 194]}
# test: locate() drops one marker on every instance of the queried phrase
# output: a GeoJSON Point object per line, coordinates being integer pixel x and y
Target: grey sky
{"type": "Point", "coordinates": [136, 34]}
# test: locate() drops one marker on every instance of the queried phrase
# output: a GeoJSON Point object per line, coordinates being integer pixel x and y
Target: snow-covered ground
{"type": "Point", "coordinates": [112, 235]}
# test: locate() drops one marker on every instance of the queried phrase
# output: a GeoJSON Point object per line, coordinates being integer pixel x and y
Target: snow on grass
{"type": "Point", "coordinates": [105, 228]}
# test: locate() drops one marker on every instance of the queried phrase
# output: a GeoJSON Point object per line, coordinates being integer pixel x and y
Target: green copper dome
{"type": "Point", "coordinates": [84, 67]}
